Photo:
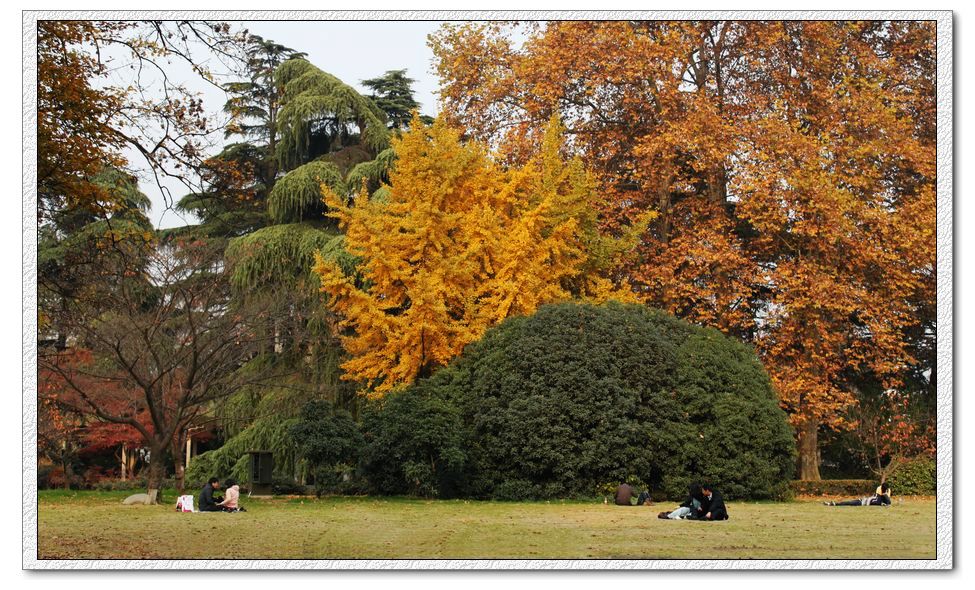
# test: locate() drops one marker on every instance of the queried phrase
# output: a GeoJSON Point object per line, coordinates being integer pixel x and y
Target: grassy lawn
{"type": "Point", "coordinates": [94, 525]}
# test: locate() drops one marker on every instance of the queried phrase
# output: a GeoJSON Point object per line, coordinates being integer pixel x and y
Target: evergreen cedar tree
{"type": "Point", "coordinates": [792, 165]}
{"type": "Point", "coordinates": [313, 129]}
{"type": "Point", "coordinates": [559, 403]}
{"type": "Point", "coordinates": [456, 245]}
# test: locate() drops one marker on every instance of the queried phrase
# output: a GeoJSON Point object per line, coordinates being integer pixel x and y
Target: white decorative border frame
{"type": "Point", "coordinates": [945, 505]}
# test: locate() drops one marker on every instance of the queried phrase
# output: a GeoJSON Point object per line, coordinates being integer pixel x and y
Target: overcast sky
{"type": "Point", "coordinates": [351, 50]}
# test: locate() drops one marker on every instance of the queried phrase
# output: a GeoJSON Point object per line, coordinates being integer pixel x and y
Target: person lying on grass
{"type": "Point", "coordinates": [880, 498]}
{"type": "Point", "coordinates": [703, 503]}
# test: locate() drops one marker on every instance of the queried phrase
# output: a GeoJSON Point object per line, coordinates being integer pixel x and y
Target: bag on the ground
{"type": "Point", "coordinates": [184, 504]}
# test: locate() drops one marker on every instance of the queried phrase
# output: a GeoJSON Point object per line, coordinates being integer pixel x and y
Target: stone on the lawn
{"type": "Point", "coordinates": [136, 499]}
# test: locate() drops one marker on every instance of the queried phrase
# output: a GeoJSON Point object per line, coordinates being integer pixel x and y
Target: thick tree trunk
{"type": "Point", "coordinates": [809, 450]}
{"type": "Point", "coordinates": [68, 473]}
{"type": "Point", "coordinates": [180, 477]}
{"type": "Point", "coordinates": [157, 472]}
{"type": "Point", "coordinates": [180, 467]}
{"type": "Point", "coordinates": [66, 466]}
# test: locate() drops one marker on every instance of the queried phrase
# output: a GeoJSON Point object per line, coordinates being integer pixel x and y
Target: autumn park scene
{"type": "Point", "coordinates": [492, 290]}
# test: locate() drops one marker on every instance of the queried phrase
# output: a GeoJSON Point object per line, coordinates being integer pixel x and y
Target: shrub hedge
{"type": "Point", "coordinates": [918, 477]}
{"type": "Point", "coordinates": [559, 403]}
{"type": "Point", "coordinates": [852, 488]}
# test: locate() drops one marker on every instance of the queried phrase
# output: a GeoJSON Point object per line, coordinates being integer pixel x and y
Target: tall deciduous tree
{"type": "Point", "coordinates": [791, 163]}
{"type": "Point", "coordinates": [85, 119]}
{"type": "Point", "coordinates": [457, 245]}
{"type": "Point", "coordinates": [75, 139]}
{"type": "Point", "coordinates": [160, 342]}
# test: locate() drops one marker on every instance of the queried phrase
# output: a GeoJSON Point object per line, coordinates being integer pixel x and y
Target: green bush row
{"type": "Point", "coordinates": [918, 477]}
{"type": "Point", "coordinates": [834, 487]}
{"type": "Point", "coordinates": [557, 404]}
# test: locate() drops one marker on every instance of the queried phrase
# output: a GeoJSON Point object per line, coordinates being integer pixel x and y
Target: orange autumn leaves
{"type": "Point", "coordinates": [792, 165]}
{"type": "Point", "coordinates": [458, 244]}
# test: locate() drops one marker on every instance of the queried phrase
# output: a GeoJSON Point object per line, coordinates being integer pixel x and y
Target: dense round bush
{"type": "Point", "coordinates": [917, 477]}
{"type": "Point", "coordinates": [414, 444]}
{"type": "Point", "coordinates": [328, 441]}
{"type": "Point", "coordinates": [559, 403]}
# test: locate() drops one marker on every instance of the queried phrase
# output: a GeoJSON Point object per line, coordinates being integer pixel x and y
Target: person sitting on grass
{"type": "Point", "coordinates": [712, 506]}
{"type": "Point", "coordinates": [624, 493]}
{"type": "Point", "coordinates": [884, 490]}
{"type": "Point", "coordinates": [624, 496]}
{"type": "Point", "coordinates": [689, 508]}
{"type": "Point", "coordinates": [229, 503]}
{"type": "Point", "coordinates": [207, 503]}
{"type": "Point", "coordinates": [881, 498]}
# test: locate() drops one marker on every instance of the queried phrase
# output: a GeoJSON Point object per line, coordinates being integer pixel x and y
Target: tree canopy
{"type": "Point", "coordinates": [457, 245]}
{"type": "Point", "coordinates": [791, 165]}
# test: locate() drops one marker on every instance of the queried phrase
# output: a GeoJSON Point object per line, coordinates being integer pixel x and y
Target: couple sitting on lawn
{"type": "Point", "coordinates": [226, 504]}
{"type": "Point", "coordinates": [703, 503]}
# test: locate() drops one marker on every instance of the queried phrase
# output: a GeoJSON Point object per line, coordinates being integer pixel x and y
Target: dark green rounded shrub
{"type": "Point", "coordinates": [329, 441]}
{"type": "Point", "coordinates": [917, 477]}
{"type": "Point", "coordinates": [559, 403]}
{"type": "Point", "coordinates": [414, 444]}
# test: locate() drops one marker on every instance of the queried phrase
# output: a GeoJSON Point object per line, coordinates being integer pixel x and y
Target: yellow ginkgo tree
{"type": "Point", "coordinates": [458, 243]}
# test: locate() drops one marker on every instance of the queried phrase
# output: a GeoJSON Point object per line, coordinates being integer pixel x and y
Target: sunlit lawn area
{"type": "Point", "coordinates": [95, 525]}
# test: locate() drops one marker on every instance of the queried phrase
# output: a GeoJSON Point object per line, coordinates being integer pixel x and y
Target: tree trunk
{"type": "Point", "coordinates": [66, 466]}
{"type": "Point", "coordinates": [68, 473]}
{"type": "Point", "coordinates": [125, 463]}
{"type": "Point", "coordinates": [179, 465]}
{"type": "Point", "coordinates": [132, 462]}
{"type": "Point", "coordinates": [157, 472]}
{"type": "Point", "coordinates": [809, 450]}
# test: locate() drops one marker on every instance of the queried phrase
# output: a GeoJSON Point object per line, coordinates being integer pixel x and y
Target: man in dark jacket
{"type": "Point", "coordinates": [712, 505]}
{"type": "Point", "coordinates": [207, 503]}
{"type": "Point", "coordinates": [624, 494]}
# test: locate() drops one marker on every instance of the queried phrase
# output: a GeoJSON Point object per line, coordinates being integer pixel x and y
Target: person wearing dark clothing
{"type": "Point", "coordinates": [644, 499]}
{"type": "Point", "coordinates": [712, 505]}
{"type": "Point", "coordinates": [689, 507]}
{"type": "Point", "coordinates": [207, 503]}
{"type": "Point", "coordinates": [624, 494]}
{"type": "Point", "coordinates": [881, 498]}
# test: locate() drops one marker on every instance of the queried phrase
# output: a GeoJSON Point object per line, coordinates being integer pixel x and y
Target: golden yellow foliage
{"type": "Point", "coordinates": [460, 244]}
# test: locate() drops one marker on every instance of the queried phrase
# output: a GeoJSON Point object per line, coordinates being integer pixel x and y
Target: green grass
{"type": "Point", "coordinates": [94, 525]}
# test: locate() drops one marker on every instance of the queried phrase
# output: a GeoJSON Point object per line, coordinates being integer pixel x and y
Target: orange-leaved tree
{"type": "Point", "coordinates": [455, 245]}
{"type": "Point", "coordinates": [791, 164]}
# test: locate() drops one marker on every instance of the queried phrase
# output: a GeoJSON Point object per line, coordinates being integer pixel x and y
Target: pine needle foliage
{"type": "Point", "coordinates": [276, 255]}
{"type": "Point", "coordinates": [317, 105]}
{"type": "Point", "coordinates": [393, 93]}
{"type": "Point", "coordinates": [373, 173]}
{"type": "Point", "coordinates": [297, 196]}
{"type": "Point", "coordinates": [270, 433]}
